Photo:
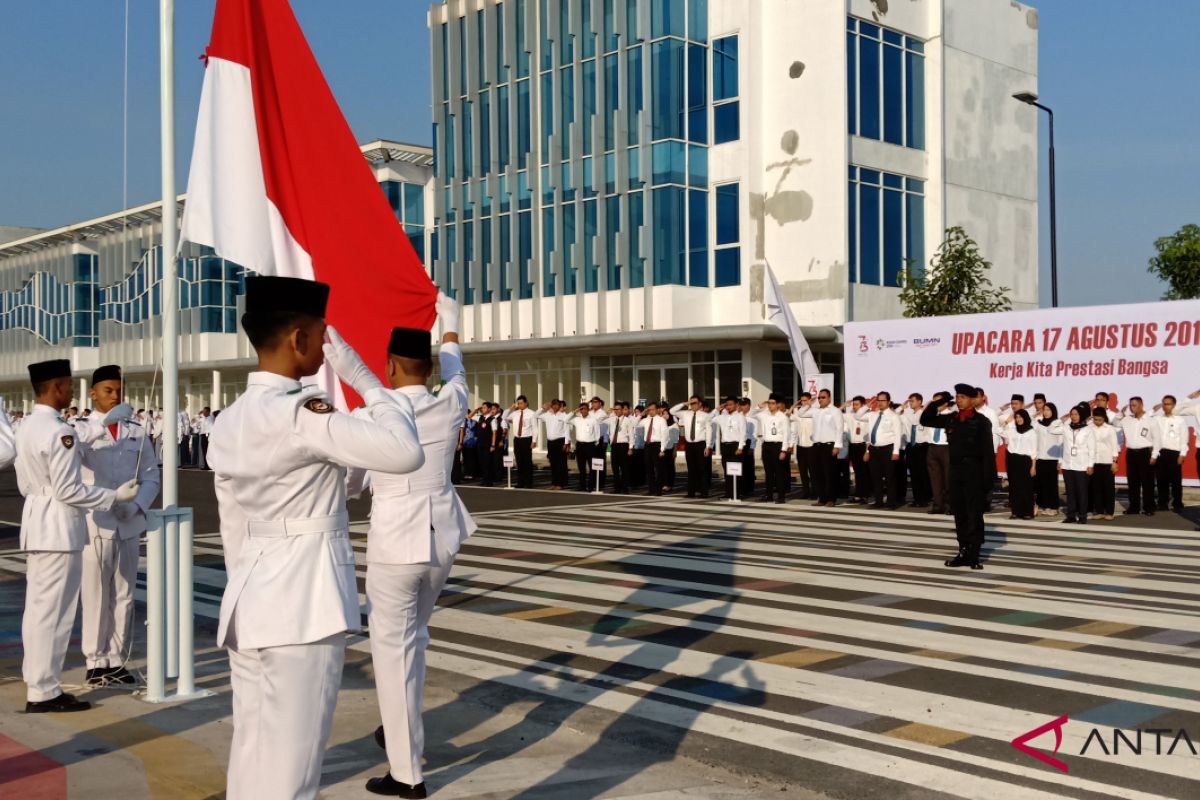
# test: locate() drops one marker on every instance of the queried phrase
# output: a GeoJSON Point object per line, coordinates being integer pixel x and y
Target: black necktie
{"type": "Point", "coordinates": [693, 434]}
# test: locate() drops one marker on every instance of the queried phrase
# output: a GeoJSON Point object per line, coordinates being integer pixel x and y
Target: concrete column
{"type": "Point", "coordinates": [215, 402]}
{"type": "Point", "coordinates": [756, 372]}
{"type": "Point", "coordinates": [81, 399]}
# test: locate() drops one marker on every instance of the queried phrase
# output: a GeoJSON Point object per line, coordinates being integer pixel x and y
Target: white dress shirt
{"type": "Point", "coordinates": [704, 428]}
{"type": "Point", "coordinates": [621, 428]}
{"type": "Point", "coordinates": [1020, 444]}
{"type": "Point", "coordinates": [990, 413]}
{"type": "Point", "coordinates": [914, 431]}
{"type": "Point", "coordinates": [732, 428]}
{"type": "Point", "coordinates": [1171, 433]}
{"type": "Point", "coordinates": [522, 422]}
{"type": "Point", "coordinates": [1079, 448]}
{"type": "Point", "coordinates": [1050, 440]}
{"type": "Point", "coordinates": [854, 426]}
{"type": "Point", "coordinates": [1138, 431]}
{"type": "Point", "coordinates": [828, 423]}
{"type": "Point", "coordinates": [882, 428]}
{"type": "Point", "coordinates": [654, 429]}
{"type": "Point", "coordinates": [802, 425]}
{"type": "Point", "coordinates": [776, 427]}
{"type": "Point", "coordinates": [585, 429]}
{"type": "Point", "coordinates": [556, 424]}
{"type": "Point", "coordinates": [1107, 446]}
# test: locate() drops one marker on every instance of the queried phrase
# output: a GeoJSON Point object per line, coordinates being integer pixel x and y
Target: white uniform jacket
{"type": "Point", "coordinates": [108, 463]}
{"type": "Point", "coordinates": [408, 511]}
{"type": "Point", "coordinates": [278, 454]}
{"type": "Point", "coordinates": [54, 517]}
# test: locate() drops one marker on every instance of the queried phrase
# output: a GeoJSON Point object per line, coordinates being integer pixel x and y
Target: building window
{"type": "Point", "coordinates": [727, 256]}
{"type": "Point", "coordinates": [667, 117]}
{"type": "Point", "coordinates": [726, 126]}
{"type": "Point", "coordinates": [697, 238]}
{"type": "Point", "coordinates": [670, 246]}
{"type": "Point", "coordinates": [885, 79]}
{"type": "Point", "coordinates": [887, 226]}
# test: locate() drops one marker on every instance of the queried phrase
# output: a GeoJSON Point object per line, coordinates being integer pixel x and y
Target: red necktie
{"type": "Point", "coordinates": [650, 430]}
{"type": "Point", "coordinates": [113, 430]}
{"type": "Point", "coordinates": [521, 423]}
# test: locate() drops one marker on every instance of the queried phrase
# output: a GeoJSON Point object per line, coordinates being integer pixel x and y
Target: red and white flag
{"type": "Point", "coordinates": [279, 185]}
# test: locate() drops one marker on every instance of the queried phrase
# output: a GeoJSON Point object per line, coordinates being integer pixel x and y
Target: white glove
{"type": "Point", "coordinates": [127, 491]}
{"type": "Point", "coordinates": [447, 311]}
{"type": "Point", "coordinates": [347, 364]}
{"type": "Point", "coordinates": [125, 511]}
{"type": "Point", "coordinates": [119, 413]}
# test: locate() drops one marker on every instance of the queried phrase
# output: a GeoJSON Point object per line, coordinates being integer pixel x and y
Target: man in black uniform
{"type": "Point", "coordinates": [969, 434]}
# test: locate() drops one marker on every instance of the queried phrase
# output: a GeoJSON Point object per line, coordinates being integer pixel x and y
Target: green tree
{"type": "Point", "coordinates": [1178, 263]}
{"type": "Point", "coordinates": [956, 282]}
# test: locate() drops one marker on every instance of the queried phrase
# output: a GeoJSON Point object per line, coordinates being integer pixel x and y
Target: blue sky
{"type": "Point", "coordinates": [1120, 76]}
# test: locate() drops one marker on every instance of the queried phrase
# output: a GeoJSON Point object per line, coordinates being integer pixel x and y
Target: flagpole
{"type": "Point", "coordinates": [170, 280]}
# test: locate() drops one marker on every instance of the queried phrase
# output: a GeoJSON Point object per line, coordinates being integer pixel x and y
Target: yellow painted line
{"type": "Point", "coordinates": [1058, 644]}
{"type": "Point", "coordinates": [942, 654]}
{"type": "Point", "coordinates": [176, 768]}
{"type": "Point", "coordinates": [928, 734]}
{"type": "Point", "coordinates": [1103, 628]}
{"type": "Point", "coordinates": [539, 613]}
{"type": "Point", "coordinates": [801, 658]}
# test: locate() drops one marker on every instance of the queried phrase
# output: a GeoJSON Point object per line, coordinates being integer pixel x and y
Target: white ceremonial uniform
{"type": "Point", "coordinates": [731, 428]}
{"type": "Point", "coordinates": [828, 423]}
{"type": "Point", "coordinates": [1050, 440]}
{"type": "Point", "coordinates": [1171, 433]}
{"type": "Point", "coordinates": [1108, 447]}
{"type": "Point", "coordinates": [854, 426]}
{"type": "Point", "coordinates": [654, 430]}
{"type": "Point", "coordinates": [1079, 448]}
{"type": "Point", "coordinates": [776, 427]}
{"type": "Point", "coordinates": [110, 560]}
{"type": "Point", "coordinates": [1021, 444]}
{"type": "Point", "coordinates": [704, 428]}
{"type": "Point", "coordinates": [418, 524]}
{"type": "Point", "coordinates": [54, 532]}
{"type": "Point", "coordinates": [585, 429]}
{"type": "Point", "coordinates": [556, 423]}
{"type": "Point", "coordinates": [881, 428]}
{"type": "Point", "coordinates": [278, 453]}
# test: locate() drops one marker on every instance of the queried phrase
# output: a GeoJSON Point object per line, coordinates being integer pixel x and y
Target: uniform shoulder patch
{"type": "Point", "coordinates": [68, 442]}
{"type": "Point", "coordinates": [318, 406]}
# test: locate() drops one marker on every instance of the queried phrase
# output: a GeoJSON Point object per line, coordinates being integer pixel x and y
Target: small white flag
{"type": "Point", "coordinates": [780, 314]}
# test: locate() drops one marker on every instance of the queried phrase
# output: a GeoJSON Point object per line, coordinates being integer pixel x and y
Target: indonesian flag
{"type": "Point", "coordinates": [279, 185]}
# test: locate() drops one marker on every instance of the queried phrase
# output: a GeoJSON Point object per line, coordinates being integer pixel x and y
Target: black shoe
{"type": "Point", "coordinates": [1177, 509]}
{"type": "Point", "coordinates": [766, 498]}
{"type": "Point", "coordinates": [64, 702]}
{"type": "Point", "coordinates": [96, 676]}
{"type": "Point", "coordinates": [394, 788]}
{"type": "Point", "coordinates": [934, 511]}
{"type": "Point", "coordinates": [1067, 520]}
{"type": "Point", "coordinates": [120, 675]}
{"type": "Point", "coordinates": [878, 505]}
{"type": "Point", "coordinates": [780, 501]}
{"type": "Point", "coordinates": [976, 564]}
{"type": "Point", "coordinates": [1147, 513]}
{"type": "Point", "coordinates": [959, 560]}
{"type": "Point", "coordinates": [1131, 511]}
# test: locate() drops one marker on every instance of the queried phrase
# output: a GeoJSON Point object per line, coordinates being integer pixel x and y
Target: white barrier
{"type": "Point", "coordinates": [170, 623]}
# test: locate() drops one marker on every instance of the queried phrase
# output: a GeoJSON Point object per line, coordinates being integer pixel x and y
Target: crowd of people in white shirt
{"type": "Point", "coordinates": [191, 438]}
{"type": "Point", "coordinates": [867, 451]}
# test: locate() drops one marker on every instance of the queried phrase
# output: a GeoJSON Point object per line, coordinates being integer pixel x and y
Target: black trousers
{"type": "Point", "coordinates": [666, 472]}
{"type": "Point", "coordinates": [523, 453]}
{"type": "Point", "coordinates": [637, 468]}
{"type": "Point", "coordinates": [1047, 484]}
{"type": "Point", "coordinates": [470, 459]}
{"type": "Point", "coordinates": [185, 451]}
{"type": "Point", "coordinates": [775, 470]}
{"type": "Point", "coordinates": [1077, 482]}
{"type": "Point", "coordinates": [862, 472]}
{"type": "Point", "coordinates": [937, 461]}
{"type": "Point", "coordinates": [487, 464]}
{"type": "Point", "coordinates": [746, 485]}
{"type": "Point", "coordinates": [699, 469]}
{"type": "Point", "coordinates": [917, 456]}
{"type": "Point", "coordinates": [1102, 490]}
{"type": "Point", "coordinates": [989, 483]}
{"type": "Point", "coordinates": [654, 468]}
{"type": "Point", "coordinates": [825, 471]}
{"type": "Point", "coordinates": [1020, 483]}
{"type": "Point", "coordinates": [806, 463]}
{"type": "Point", "coordinates": [729, 454]}
{"type": "Point", "coordinates": [883, 474]}
{"type": "Point", "coordinates": [620, 468]}
{"type": "Point", "coordinates": [584, 453]}
{"type": "Point", "coordinates": [558, 462]}
{"type": "Point", "coordinates": [1141, 478]}
{"type": "Point", "coordinates": [1170, 479]}
{"type": "Point", "coordinates": [966, 500]}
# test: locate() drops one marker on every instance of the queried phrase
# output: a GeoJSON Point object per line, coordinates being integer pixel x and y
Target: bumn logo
{"type": "Point", "coordinates": [1055, 725]}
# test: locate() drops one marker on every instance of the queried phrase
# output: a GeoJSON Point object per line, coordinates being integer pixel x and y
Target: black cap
{"type": "Point", "coordinates": [964, 388]}
{"type": "Point", "coordinates": [1099, 411]}
{"type": "Point", "coordinates": [49, 370]}
{"type": "Point", "coordinates": [410, 343]}
{"type": "Point", "coordinates": [110, 372]}
{"type": "Point", "coordinates": [1039, 396]}
{"type": "Point", "coordinates": [1018, 398]}
{"type": "Point", "coordinates": [272, 293]}
{"type": "Point", "coordinates": [979, 391]}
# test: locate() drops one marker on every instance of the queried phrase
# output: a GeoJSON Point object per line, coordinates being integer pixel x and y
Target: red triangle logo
{"type": "Point", "coordinates": [1055, 725]}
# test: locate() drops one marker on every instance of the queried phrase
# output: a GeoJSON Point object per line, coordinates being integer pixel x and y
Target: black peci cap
{"type": "Point", "coordinates": [49, 370]}
{"type": "Point", "coordinates": [964, 388]}
{"type": "Point", "coordinates": [272, 293]}
{"type": "Point", "coordinates": [111, 372]}
{"type": "Point", "coordinates": [1018, 398]}
{"type": "Point", "coordinates": [1039, 396]}
{"type": "Point", "coordinates": [410, 343]}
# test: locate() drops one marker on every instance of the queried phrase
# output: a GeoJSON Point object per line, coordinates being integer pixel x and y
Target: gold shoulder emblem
{"type": "Point", "coordinates": [68, 442]}
{"type": "Point", "coordinates": [318, 406]}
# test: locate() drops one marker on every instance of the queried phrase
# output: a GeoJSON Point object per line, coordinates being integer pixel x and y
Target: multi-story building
{"type": "Point", "coordinates": [90, 292]}
{"type": "Point", "coordinates": [613, 177]}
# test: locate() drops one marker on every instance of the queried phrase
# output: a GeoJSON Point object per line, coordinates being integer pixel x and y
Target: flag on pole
{"type": "Point", "coordinates": [279, 185]}
{"type": "Point", "coordinates": [780, 314]}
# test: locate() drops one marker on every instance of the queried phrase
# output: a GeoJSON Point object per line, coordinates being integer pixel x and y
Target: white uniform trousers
{"type": "Point", "coordinates": [109, 575]}
{"type": "Point", "coordinates": [402, 598]}
{"type": "Point", "coordinates": [51, 596]}
{"type": "Point", "coordinates": [283, 701]}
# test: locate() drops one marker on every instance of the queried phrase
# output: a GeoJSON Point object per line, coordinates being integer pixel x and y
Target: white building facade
{"type": "Point", "coordinates": [90, 292]}
{"type": "Point", "coordinates": [613, 177]}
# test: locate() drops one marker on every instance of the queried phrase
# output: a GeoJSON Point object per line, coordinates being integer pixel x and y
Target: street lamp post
{"type": "Point", "coordinates": [1032, 99]}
